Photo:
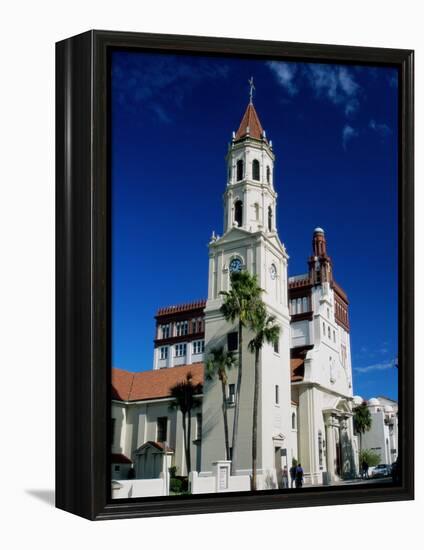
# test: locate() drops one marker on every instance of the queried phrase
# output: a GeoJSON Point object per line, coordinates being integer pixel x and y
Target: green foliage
{"type": "Point", "coordinates": [185, 394]}
{"type": "Point", "coordinates": [362, 418]}
{"type": "Point", "coordinates": [186, 399]}
{"type": "Point", "coordinates": [175, 485]}
{"type": "Point", "coordinates": [371, 457]}
{"type": "Point", "coordinates": [240, 301]}
{"type": "Point", "coordinates": [263, 326]}
{"type": "Point", "coordinates": [172, 471]}
{"type": "Point", "coordinates": [218, 362]}
{"type": "Point", "coordinates": [294, 462]}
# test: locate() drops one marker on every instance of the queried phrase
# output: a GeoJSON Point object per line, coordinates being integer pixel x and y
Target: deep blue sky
{"type": "Point", "coordinates": [334, 132]}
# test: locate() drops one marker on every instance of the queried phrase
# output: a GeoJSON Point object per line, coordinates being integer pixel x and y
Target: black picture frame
{"type": "Point", "coordinates": [83, 281]}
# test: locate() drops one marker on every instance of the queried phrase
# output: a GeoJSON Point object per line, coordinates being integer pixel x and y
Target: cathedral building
{"type": "Point", "coordinates": [305, 402]}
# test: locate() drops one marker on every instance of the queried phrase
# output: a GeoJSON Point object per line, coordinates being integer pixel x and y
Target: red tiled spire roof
{"type": "Point", "coordinates": [250, 124]}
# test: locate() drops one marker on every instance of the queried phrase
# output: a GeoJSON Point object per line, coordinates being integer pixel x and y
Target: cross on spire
{"type": "Point", "coordinates": [252, 87]}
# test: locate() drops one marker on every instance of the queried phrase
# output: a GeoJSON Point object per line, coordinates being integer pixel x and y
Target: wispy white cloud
{"type": "Point", "coordinates": [334, 83]}
{"type": "Point", "coordinates": [348, 133]}
{"type": "Point", "coordinates": [159, 85]}
{"type": "Point", "coordinates": [285, 74]}
{"type": "Point", "coordinates": [386, 365]}
{"type": "Point", "coordinates": [337, 84]}
{"type": "Point", "coordinates": [381, 129]}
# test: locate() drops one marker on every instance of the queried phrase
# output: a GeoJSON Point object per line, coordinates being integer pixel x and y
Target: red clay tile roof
{"type": "Point", "coordinates": [158, 445]}
{"type": "Point", "coordinates": [152, 384]}
{"type": "Point", "coordinates": [122, 381]}
{"type": "Point", "coordinates": [250, 124]}
{"type": "Point", "coordinates": [200, 304]}
{"type": "Point", "coordinates": [120, 459]}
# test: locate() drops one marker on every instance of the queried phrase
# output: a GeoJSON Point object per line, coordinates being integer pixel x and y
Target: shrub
{"type": "Point", "coordinates": [175, 485]}
{"type": "Point", "coordinates": [371, 457]}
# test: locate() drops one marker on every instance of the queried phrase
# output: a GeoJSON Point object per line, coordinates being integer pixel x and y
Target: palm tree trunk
{"type": "Point", "coordinates": [185, 441]}
{"type": "Point", "coordinates": [255, 420]}
{"type": "Point", "coordinates": [224, 412]}
{"type": "Point", "coordinates": [237, 403]}
{"type": "Point", "coordinates": [188, 453]}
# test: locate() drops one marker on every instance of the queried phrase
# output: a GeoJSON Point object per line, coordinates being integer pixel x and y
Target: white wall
{"type": "Point", "coordinates": [27, 230]}
{"type": "Point", "coordinates": [133, 488]}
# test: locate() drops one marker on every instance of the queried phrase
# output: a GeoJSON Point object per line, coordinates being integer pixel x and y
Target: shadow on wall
{"type": "Point", "coordinates": [269, 481]}
{"type": "Point", "coordinates": [348, 467]}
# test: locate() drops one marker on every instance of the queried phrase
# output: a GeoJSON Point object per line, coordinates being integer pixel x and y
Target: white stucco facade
{"type": "Point", "coordinates": [382, 438]}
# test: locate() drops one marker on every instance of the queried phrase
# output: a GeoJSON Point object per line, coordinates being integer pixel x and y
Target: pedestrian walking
{"type": "Point", "coordinates": [299, 476]}
{"type": "Point", "coordinates": [285, 477]}
{"type": "Point", "coordinates": [365, 469]}
{"type": "Point", "coordinates": [292, 476]}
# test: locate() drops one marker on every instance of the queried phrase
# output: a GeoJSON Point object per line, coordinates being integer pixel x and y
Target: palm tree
{"type": "Point", "coordinates": [185, 399]}
{"type": "Point", "coordinates": [362, 421]}
{"type": "Point", "coordinates": [238, 304]}
{"type": "Point", "coordinates": [266, 330]}
{"type": "Point", "coordinates": [217, 364]}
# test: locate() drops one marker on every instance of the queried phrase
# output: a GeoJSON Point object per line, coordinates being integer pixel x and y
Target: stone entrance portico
{"type": "Point", "coordinates": [341, 460]}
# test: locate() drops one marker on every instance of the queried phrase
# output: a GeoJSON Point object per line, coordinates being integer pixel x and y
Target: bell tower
{"type": "Point", "coordinates": [250, 199]}
{"type": "Point", "coordinates": [249, 242]}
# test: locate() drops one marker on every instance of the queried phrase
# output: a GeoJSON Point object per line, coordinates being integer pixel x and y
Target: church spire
{"type": "Point", "coordinates": [250, 125]}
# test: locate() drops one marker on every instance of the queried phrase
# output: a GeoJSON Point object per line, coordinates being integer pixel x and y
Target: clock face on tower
{"type": "Point", "coordinates": [273, 271]}
{"type": "Point", "coordinates": [235, 265]}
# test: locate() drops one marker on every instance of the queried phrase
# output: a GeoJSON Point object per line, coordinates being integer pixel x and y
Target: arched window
{"type": "Point", "coordinates": [269, 218]}
{"type": "Point", "coordinates": [240, 170]}
{"type": "Point", "coordinates": [238, 212]}
{"type": "Point", "coordinates": [255, 170]}
{"type": "Point", "coordinates": [293, 421]}
{"type": "Point", "coordinates": [268, 174]}
{"type": "Point", "coordinates": [329, 333]}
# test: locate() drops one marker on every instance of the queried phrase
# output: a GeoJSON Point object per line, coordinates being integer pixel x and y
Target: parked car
{"type": "Point", "coordinates": [382, 470]}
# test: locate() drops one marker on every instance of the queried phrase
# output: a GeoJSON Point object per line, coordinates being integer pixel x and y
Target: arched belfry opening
{"type": "Point", "coordinates": [269, 218]}
{"type": "Point", "coordinates": [240, 169]}
{"type": "Point", "coordinates": [255, 170]}
{"type": "Point", "coordinates": [238, 212]}
{"type": "Point", "coordinates": [268, 174]}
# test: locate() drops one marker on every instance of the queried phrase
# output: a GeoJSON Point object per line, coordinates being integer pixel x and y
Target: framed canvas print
{"type": "Point", "coordinates": [234, 275]}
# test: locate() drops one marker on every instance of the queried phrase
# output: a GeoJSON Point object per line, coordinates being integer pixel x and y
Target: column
{"type": "Point", "coordinates": [189, 348]}
{"type": "Point", "coordinates": [170, 356]}
{"type": "Point", "coordinates": [245, 209]}
{"type": "Point", "coordinates": [229, 210]}
{"type": "Point", "coordinates": [330, 447]}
